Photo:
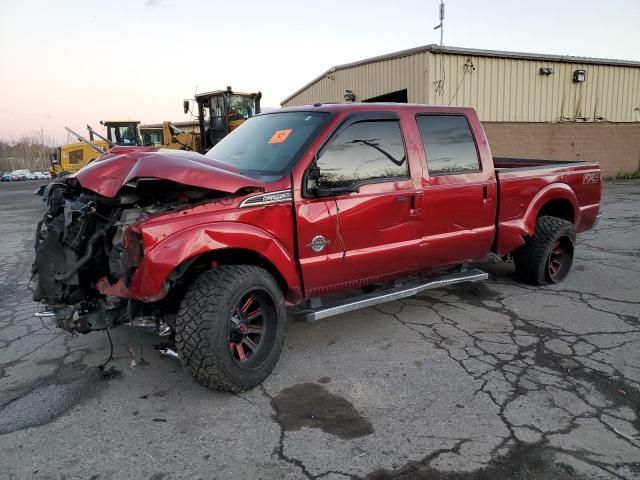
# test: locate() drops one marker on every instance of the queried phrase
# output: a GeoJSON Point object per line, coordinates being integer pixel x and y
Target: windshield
{"type": "Point", "coordinates": [122, 135]}
{"type": "Point", "coordinates": [152, 137]}
{"type": "Point", "coordinates": [241, 106]}
{"type": "Point", "coordinates": [268, 145]}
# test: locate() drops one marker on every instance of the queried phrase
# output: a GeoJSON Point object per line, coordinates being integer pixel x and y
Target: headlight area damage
{"type": "Point", "coordinates": [87, 244]}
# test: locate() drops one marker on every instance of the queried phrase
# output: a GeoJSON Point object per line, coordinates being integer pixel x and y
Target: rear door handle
{"type": "Point", "coordinates": [411, 199]}
{"type": "Point", "coordinates": [413, 203]}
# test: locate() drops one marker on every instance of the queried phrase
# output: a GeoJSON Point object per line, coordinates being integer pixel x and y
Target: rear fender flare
{"type": "Point", "coordinates": [554, 191]}
{"type": "Point", "coordinates": [511, 233]}
{"type": "Point", "coordinates": [149, 282]}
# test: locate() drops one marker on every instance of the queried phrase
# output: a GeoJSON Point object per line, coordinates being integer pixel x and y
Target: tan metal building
{"type": "Point", "coordinates": [514, 93]}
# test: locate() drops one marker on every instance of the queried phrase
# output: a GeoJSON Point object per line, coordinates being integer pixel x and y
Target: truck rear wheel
{"type": "Point", "coordinates": [230, 327]}
{"type": "Point", "coordinates": [546, 257]}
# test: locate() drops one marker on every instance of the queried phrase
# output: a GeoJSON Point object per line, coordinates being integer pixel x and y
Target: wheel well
{"type": "Point", "coordinates": [559, 208]}
{"type": "Point", "coordinates": [238, 256]}
{"type": "Point", "coordinates": [185, 273]}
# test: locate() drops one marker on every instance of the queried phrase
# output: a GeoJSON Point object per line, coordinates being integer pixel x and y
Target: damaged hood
{"type": "Point", "coordinates": [107, 174]}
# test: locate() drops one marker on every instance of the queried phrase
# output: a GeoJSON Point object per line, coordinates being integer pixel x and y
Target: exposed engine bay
{"type": "Point", "coordinates": [87, 242]}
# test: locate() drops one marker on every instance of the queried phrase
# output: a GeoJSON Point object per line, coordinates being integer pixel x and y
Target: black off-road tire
{"type": "Point", "coordinates": [202, 327]}
{"type": "Point", "coordinates": [532, 259]}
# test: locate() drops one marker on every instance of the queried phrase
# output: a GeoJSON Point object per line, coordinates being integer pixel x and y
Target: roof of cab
{"type": "Point", "coordinates": [363, 107]}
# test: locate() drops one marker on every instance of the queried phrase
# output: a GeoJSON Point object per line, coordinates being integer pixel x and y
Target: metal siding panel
{"type": "Point", "coordinates": [614, 78]}
{"type": "Point", "coordinates": [596, 101]}
{"type": "Point", "coordinates": [634, 115]}
{"type": "Point", "coordinates": [499, 89]}
{"type": "Point", "coordinates": [611, 96]}
{"type": "Point", "coordinates": [616, 97]}
{"type": "Point", "coordinates": [424, 74]}
{"type": "Point", "coordinates": [618, 86]}
{"type": "Point", "coordinates": [604, 99]}
{"type": "Point", "coordinates": [592, 88]}
{"type": "Point", "coordinates": [513, 89]}
{"type": "Point", "coordinates": [557, 86]}
{"type": "Point", "coordinates": [484, 80]}
{"type": "Point", "coordinates": [597, 104]}
{"type": "Point", "coordinates": [451, 97]}
{"type": "Point", "coordinates": [519, 90]}
{"type": "Point", "coordinates": [535, 94]}
{"type": "Point", "coordinates": [595, 89]}
{"type": "Point", "coordinates": [526, 92]}
{"type": "Point", "coordinates": [624, 94]}
{"type": "Point", "coordinates": [473, 85]}
{"type": "Point", "coordinates": [546, 95]}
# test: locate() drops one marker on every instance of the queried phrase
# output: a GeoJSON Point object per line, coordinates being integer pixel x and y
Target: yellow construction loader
{"type": "Point", "coordinates": [219, 112]}
{"type": "Point", "coordinates": [171, 135]}
{"type": "Point", "coordinates": [222, 111]}
{"type": "Point", "coordinates": [72, 157]}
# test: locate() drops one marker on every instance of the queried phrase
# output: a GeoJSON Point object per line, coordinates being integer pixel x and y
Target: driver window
{"type": "Point", "coordinates": [366, 151]}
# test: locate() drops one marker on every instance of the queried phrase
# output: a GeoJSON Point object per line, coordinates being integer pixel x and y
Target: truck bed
{"type": "Point", "coordinates": [524, 187]}
{"type": "Point", "coordinates": [507, 163]}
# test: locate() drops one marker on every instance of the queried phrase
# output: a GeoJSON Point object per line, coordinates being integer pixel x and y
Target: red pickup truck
{"type": "Point", "coordinates": [309, 211]}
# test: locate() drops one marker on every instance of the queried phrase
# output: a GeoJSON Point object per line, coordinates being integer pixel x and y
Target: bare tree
{"type": "Point", "coordinates": [29, 151]}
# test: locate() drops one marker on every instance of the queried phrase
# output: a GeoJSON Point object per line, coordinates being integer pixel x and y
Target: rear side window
{"type": "Point", "coordinates": [448, 144]}
{"type": "Point", "coordinates": [363, 152]}
{"type": "Point", "coordinates": [75, 157]}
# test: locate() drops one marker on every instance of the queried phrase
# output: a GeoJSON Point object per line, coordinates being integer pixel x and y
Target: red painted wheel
{"type": "Point", "coordinates": [230, 327]}
{"type": "Point", "coordinates": [560, 259]}
{"type": "Point", "coordinates": [546, 256]}
{"type": "Point", "coordinates": [250, 326]}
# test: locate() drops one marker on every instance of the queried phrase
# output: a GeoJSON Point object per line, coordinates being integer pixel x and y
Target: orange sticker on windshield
{"type": "Point", "coordinates": [280, 136]}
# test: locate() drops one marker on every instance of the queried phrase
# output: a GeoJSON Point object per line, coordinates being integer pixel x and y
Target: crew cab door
{"type": "Point", "coordinates": [356, 238]}
{"type": "Point", "coordinates": [460, 191]}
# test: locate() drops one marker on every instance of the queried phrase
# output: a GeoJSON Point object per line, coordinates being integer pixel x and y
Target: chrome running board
{"type": "Point", "coordinates": [389, 294]}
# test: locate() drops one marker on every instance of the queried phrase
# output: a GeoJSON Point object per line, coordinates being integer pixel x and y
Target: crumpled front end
{"type": "Point", "coordinates": [88, 247]}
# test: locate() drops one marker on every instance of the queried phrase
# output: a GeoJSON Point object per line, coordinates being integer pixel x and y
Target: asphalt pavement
{"type": "Point", "coordinates": [497, 380]}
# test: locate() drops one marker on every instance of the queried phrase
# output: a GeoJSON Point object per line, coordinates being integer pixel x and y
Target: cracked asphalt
{"type": "Point", "coordinates": [486, 381]}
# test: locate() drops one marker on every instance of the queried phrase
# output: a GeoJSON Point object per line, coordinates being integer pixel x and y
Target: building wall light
{"type": "Point", "coordinates": [579, 76]}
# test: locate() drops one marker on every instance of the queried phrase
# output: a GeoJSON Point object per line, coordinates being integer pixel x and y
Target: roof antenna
{"type": "Point", "coordinates": [441, 24]}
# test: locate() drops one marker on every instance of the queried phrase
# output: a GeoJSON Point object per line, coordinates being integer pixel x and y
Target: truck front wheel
{"type": "Point", "coordinates": [546, 257]}
{"type": "Point", "coordinates": [230, 327]}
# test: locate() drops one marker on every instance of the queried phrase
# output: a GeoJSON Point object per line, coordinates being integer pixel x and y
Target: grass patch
{"type": "Point", "coordinates": [629, 176]}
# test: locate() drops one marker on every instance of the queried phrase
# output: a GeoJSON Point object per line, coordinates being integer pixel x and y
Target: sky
{"type": "Point", "coordinates": [73, 62]}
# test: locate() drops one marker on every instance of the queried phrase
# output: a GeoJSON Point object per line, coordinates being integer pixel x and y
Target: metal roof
{"type": "Point", "coordinates": [193, 123]}
{"type": "Point", "coordinates": [220, 92]}
{"type": "Point", "coordinates": [433, 48]}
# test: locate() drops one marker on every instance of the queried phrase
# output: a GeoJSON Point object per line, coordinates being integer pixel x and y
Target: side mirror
{"type": "Point", "coordinates": [325, 191]}
{"type": "Point", "coordinates": [314, 173]}
{"type": "Point", "coordinates": [53, 158]}
{"type": "Point", "coordinates": [185, 106]}
{"type": "Point", "coordinates": [312, 178]}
